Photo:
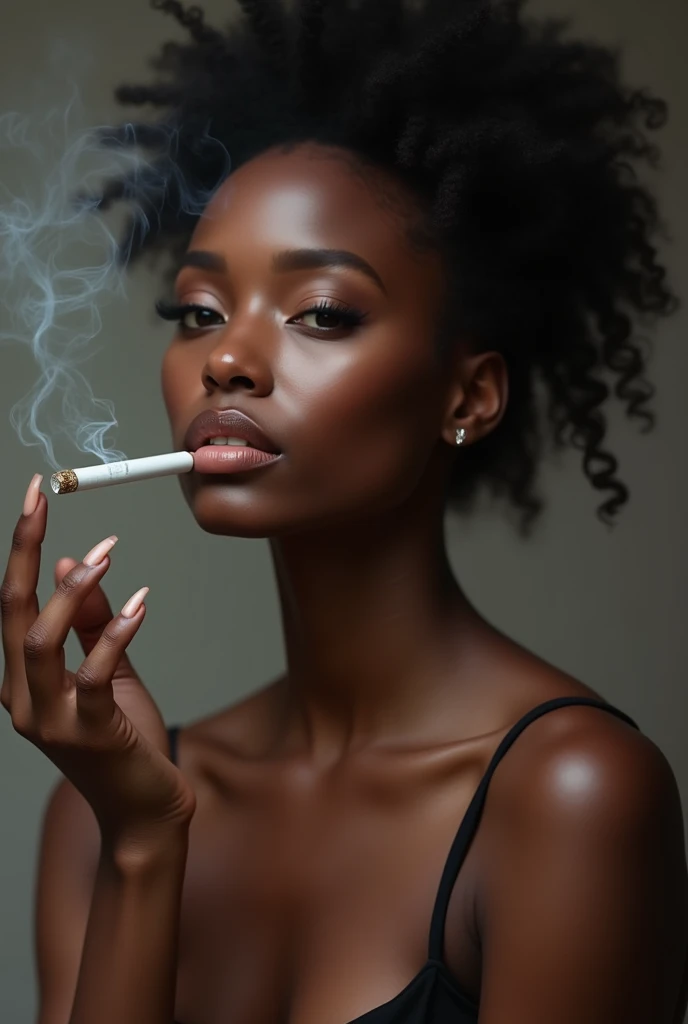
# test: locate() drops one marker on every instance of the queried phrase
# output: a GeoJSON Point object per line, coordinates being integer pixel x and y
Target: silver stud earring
{"type": "Point", "coordinates": [460, 435]}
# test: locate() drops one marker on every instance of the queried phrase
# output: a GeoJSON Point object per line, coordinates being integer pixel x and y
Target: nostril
{"type": "Point", "coordinates": [211, 384]}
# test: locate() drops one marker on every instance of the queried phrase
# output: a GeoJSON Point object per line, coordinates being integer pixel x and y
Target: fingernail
{"type": "Point", "coordinates": [98, 553]}
{"type": "Point", "coordinates": [134, 603]}
{"type": "Point", "coordinates": [31, 499]}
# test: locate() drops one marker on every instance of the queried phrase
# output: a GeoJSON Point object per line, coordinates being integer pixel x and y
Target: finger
{"type": "Point", "coordinates": [62, 567]}
{"type": "Point", "coordinates": [94, 693]}
{"type": "Point", "coordinates": [19, 602]}
{"type": "Point", "coordinates": [91, 619]}
{"type": "Point", "coordinates": [44, 642]}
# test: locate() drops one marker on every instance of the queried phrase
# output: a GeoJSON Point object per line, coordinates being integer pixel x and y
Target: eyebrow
{"type": "Point", "coordinates": [313, 259]}
{"type": "Point", "coordinates": [290, 260]}
{"type": "Point", "coordinates": [204, 260]}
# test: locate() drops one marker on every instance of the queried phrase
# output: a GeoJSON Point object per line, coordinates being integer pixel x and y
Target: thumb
{"type": "Point", "coordinates": [92, 617]}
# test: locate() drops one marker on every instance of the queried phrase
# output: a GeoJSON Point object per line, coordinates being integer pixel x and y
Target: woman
{"type": "Point", "coordinates": [431, 217]}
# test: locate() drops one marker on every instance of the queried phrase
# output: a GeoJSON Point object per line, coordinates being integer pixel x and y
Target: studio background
{"type": "Point", "coordinates": [607, 606]}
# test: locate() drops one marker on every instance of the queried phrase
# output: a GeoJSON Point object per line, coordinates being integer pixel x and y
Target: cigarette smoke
{"type": "Point", "coordinates": [61, 262]}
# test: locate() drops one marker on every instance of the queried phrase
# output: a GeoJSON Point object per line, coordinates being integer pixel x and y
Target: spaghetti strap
{"type": "Point", "coordinates": [173, 733]}
{"type": "Point", "coordinates": [471, 819]}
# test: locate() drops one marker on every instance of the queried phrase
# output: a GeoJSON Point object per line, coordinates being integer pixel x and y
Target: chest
{"type": "Point", "coordinates": [312, 905]}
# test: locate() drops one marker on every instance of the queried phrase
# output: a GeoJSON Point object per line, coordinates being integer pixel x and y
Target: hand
{"type": "Point", "coordinates": [90, 620]}
{"type": "Point", "coordinates": [117, 759]}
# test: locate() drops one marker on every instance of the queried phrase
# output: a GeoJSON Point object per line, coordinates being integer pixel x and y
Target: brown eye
{"type": "Point", "coordinates": [323, 320]}
{"type": "Point", "coordinates": [190, 317]}
{"type": "Point", "coordinates": [200, 317]}
{"type": "Point", "coordinates": [328, 317]}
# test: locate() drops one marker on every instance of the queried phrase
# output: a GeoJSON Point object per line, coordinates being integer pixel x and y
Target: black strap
{"type": "Point", "coordinates": [173, 733]}
{"type": "Point", "coordinates": [471, 819]}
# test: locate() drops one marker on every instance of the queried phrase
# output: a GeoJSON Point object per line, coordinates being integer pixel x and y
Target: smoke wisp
{"type": "Point", "coordinates": [61, 261]}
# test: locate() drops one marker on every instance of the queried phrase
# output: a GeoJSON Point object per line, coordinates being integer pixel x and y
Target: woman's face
{"type": "Point", "coordinates": [321, 328]}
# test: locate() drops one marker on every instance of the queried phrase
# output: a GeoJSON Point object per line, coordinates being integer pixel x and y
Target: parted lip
{"type": "Point", "coordinates": [226, 423]}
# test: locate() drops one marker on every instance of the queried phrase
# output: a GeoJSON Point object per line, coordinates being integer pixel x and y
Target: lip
{"type": "Point", "coordinates": [227, 423]}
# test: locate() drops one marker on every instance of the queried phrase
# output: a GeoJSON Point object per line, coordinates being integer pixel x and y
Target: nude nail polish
{"type": "Point", "coordinates": [134, 603]}
{"type": "Point", "coordinates": [32, 495]}
{"type": "Point", "coordinates": [98, 553]}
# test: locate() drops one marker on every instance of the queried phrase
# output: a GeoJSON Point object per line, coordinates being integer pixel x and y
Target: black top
{"type": "Point", "coordinates": [433, 996]}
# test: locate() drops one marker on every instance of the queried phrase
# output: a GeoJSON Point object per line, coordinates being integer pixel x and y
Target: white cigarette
{"type": "Point", "coordinates": [69, 480]}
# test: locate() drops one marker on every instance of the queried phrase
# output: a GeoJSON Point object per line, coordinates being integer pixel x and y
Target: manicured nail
{"type": "Point", "coordinates": [134, 603]}
{"type": "Point", "coordinates": [31, 499]}
{"type": "Point", "coordinates": [98, 553]}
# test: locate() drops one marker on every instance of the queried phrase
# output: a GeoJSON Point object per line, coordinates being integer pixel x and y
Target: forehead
{"type": "Point", "coordinates": [311, 196]}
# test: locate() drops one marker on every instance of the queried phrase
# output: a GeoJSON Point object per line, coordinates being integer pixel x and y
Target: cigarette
{"type": "Point", "coordinates": [106, 475]}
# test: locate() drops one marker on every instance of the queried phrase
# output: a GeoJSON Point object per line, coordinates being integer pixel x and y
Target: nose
{"type": "Point", "coordinates": [237, 362]}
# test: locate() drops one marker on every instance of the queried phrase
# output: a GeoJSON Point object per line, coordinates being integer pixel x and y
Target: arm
{"type": "Point", "coordinates": [67, 865]}
{"type": "Point", "coordinates": [140, 801]}
{"type": "Point", "coordinates": [121, 913]}
{"type": "Point", "coordinates": [70, 843]}
{"type": "Point", "coordinates": [584, 913]}
{"type": "Point", "coordinates": [130, 949]}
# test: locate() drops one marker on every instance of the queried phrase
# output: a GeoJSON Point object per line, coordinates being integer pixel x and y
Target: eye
{"type": "Point", "coordinates": [330, 317]}
{"type": "Point", "coordinates": [198, 316]}
{"type": "Point", "coordinates": [190, 317]}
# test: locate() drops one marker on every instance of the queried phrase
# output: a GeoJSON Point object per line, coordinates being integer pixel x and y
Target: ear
{"type": "Point", "coordinates": [477, 396]}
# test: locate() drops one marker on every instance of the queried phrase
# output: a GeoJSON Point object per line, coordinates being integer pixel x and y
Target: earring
{"type": "Point", "coordinates": [460, 435]}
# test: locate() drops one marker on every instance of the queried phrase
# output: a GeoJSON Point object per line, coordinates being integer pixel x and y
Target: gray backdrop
{"type": "Point", "coordinates": [608, 607]}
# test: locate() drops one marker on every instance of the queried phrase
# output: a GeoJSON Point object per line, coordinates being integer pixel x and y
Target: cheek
{"type": "Point", "coordinates": [374, 425]}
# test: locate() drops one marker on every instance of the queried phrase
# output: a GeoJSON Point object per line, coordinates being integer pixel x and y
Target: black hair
{"type": "Point", "coordinates": [524, 146]}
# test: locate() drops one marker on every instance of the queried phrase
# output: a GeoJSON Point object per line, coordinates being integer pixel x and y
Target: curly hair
{"type": "Point", "coordinates": [524, 147]}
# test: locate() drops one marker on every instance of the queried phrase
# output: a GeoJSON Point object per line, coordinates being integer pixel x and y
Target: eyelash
{"type": "Point", "coordinates": [350, 318]}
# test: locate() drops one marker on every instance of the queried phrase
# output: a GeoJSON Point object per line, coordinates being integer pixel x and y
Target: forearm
{"type": "Point", "coordinates": [129, 962]}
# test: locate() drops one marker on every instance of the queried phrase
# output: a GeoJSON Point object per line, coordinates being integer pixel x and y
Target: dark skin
{"type": "Point", "coordinates": [326, 803]}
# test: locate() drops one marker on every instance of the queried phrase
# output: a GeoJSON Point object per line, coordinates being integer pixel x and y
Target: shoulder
{"type": "Point", "coordinates": [583, 903]}
{"type": "Point", "coordinates": [582, 773]}
{"type": "Point", "coordinates": [571, 759]}
{"type": "Point", "coordinates": [582, 763]}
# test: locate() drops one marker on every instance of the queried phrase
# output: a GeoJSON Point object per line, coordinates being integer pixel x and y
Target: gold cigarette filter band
{"type": "Point", "coordinates": [64, 482]}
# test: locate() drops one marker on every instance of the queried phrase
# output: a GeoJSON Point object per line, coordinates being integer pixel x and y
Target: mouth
{"type": "Point", "coordinates": [226, 441]}
{"type": "Point", "coordinates": [227, 428]}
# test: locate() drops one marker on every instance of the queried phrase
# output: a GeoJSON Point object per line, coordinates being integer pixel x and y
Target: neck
{"type": "Point", "coordinates": [374, 625]}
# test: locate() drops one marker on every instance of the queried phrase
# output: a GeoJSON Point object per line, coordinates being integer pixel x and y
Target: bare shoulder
{"type": "Point", "coordinates": [583, 781]}
{"type": "Point", "coordinates": [583, 840]}
{"type": "Point", "coordinates": [577, 776]}
{"type": "Point", "coordinates": [581, 759]}
{"type": "Point", "coordinates": [589, 750]}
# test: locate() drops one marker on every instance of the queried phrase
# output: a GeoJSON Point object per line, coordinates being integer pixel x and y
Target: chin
{"type": "Point", "coordinates": [233, 517]}
{"type": "Point", "coordinates": [221, 527]}
{"type": "Point", "coordinates": [236, 512]}
{"type": "Point", "coordinates": [243, 511]}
